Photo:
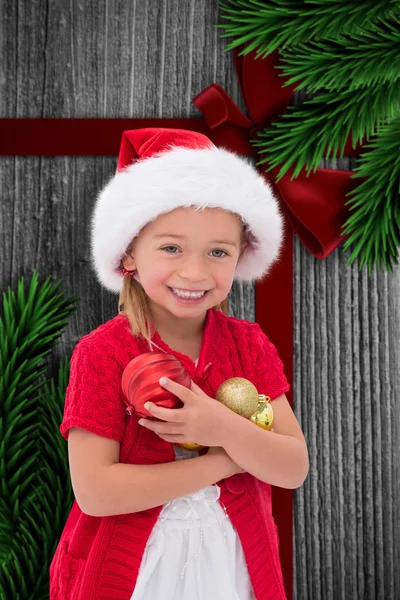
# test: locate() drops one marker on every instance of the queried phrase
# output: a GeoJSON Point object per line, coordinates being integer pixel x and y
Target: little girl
{"type": "Point", "coordinates": [177, 224]}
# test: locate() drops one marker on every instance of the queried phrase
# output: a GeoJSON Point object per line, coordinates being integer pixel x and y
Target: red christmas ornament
{"type": "Point", "coordinates": [140, 382]}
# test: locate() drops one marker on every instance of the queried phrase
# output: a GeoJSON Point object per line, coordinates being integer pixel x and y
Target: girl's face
{"type": "Point", "coordinates": [188, 251]}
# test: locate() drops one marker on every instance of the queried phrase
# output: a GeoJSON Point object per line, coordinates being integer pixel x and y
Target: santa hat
{"type": "Point", "coordinates": [160, 170]}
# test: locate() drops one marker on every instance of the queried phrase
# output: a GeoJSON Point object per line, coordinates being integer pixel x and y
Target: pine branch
{"type": "Point", "coordinates": [56, 482]}
{"type": "Point", "coordinates": [48, 500]}
{"type": "Point", "coordinates": [267, 25]}
{"type": "Point", "coordinates": [321, 126]}
{"type": "Point", "coordinates": [374, 226]}
{"type": "Point", "coordinates": [351, 61]}
{"type": "Point", "coordinates": [32, 324]}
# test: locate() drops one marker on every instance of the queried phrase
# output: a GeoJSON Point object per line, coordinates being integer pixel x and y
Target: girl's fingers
{"type": "Point", "coordinates": [183, 393]}
{"type": "Point", "coordinates": [173, 439]}
{"type": "Point", "coordinates": [196, 389]}
{"type": "Point", "coordinates": [173, 415]}
{"type": "Point", "coordinates": [160, 427]}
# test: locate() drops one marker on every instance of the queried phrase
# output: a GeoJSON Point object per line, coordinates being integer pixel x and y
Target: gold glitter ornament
{"type": "Point", "coordinates": [238, 394]}
{"type": "Point", "coordinates": [264, 415]}
{"type": "Point", "coordinates": [191, 446]}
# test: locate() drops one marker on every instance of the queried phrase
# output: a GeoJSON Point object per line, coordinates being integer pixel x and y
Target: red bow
{"type": "Point", "coordinates": [313, 204]}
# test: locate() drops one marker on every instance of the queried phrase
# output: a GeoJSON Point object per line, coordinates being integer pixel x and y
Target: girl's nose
{"type": "Point", "coordinates": [194, 271]}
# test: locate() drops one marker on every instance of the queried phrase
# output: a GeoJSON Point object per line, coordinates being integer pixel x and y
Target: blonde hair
{"type": "Point", "coordinates": [134, 303]}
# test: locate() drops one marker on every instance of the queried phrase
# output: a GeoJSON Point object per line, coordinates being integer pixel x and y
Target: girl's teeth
{"type": "Point", "coordinates": [188, 294]}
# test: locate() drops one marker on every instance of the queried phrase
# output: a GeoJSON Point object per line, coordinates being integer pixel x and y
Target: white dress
{"type": "Point", "coordinates": [193, 552]}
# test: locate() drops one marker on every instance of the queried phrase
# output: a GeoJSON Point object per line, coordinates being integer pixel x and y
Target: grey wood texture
{"type": "Point", "coordinates": [149, 59]}
{"type": "Point", "coordinates": [347, 382]}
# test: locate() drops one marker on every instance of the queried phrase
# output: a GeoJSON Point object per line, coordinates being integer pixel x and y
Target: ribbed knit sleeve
{"type": "Point", "coordinates": [94, 396]}
{"type": "Point", "coordinates": [269, 370]}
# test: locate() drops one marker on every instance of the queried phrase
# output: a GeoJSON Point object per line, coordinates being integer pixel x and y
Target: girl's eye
{"type": "Point", "coordinates": [223, 252]}
{"type": "Point", "coordinates": [166, 248]}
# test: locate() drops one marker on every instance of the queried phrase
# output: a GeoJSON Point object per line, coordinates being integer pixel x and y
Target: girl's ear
{"type": "Point", "coordinates": [243, 248]}
{"type": "Point", "coordinates": [128, 262]}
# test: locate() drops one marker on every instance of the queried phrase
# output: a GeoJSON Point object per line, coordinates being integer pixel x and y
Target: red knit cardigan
{"type": "Point", "coordinates": [99, 557]}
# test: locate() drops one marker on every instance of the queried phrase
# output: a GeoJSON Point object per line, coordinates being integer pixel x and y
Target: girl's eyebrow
{"type": "Point", "coordinates": [174, 235]}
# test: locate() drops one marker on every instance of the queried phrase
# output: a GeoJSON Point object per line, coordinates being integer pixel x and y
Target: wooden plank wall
{"type": "Point", "coordinates": [149, 59]}
{"type": "Point", "coordinates": [347, 384]}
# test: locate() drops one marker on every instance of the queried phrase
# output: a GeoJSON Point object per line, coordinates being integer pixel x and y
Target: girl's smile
{"type": "Point", "coordinates": [186, 297]}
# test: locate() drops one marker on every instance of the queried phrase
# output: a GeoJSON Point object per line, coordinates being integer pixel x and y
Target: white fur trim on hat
{"type": "Point", "coordinates": [181, 177]}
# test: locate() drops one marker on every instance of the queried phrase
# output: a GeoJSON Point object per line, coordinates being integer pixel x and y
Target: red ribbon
{"type": "Point", "coordinates": [313, 204]}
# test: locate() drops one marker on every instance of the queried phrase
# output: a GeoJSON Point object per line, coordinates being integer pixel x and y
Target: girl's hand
{"type": "Point", "coordinates": [233, 468]}
{"type": "Point", "coordinates": [201, 420]}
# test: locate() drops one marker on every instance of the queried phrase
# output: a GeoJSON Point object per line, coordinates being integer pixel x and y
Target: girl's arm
{"type": "Point", "coordinates": [279, 457]}
{"type": "Point", "coordinates": [104, 487]}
